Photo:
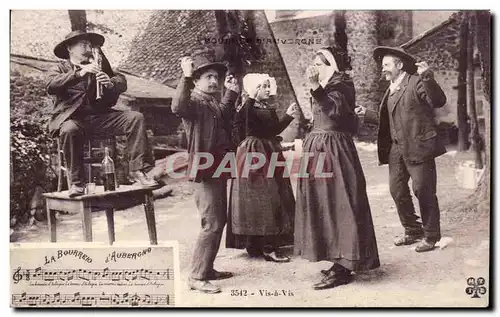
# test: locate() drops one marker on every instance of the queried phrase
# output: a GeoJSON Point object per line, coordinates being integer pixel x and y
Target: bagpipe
{"type": "Point", "coordinates": [98, 57]}
{"type": "Point", "coordinates": [103, 64]}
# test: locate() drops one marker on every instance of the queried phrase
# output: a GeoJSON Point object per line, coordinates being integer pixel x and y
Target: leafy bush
{"type": "Point", "coordinates": [30, 145]}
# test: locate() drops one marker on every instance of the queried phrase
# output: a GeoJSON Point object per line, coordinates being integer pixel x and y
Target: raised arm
{"type": "Point", "coordinates": [428, 90]}
{"type": "Point", "coordinates": [181, 105]}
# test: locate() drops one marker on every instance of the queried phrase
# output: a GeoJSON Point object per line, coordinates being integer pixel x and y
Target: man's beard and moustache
{"type": "Point", "coordinates": [212, 89]}
{"type": "Point", "coordinates": [86, 58]}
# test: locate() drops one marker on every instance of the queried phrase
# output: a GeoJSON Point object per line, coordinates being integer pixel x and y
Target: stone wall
{"type": "Point", "coordinates": [394, 27]}
{"type": "Point", "coordinates": [440, 50]}
{"type": "Point", "coordinates": [296, 56]}
{"type": "Point", "coordinates": [363, 39]}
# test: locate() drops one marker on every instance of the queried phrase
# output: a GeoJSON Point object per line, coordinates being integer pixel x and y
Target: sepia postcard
{"type": "Point", "coordinates": [250, 158]}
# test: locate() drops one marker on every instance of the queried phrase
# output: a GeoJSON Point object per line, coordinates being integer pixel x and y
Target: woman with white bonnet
{"type": "Point", "coordinates": [333, 217]}
{"type": "Point", "coordinates": [261, 208]}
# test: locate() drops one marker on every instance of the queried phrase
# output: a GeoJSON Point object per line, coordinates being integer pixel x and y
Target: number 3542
{"type": "Point", "coordinates": [238, 292]}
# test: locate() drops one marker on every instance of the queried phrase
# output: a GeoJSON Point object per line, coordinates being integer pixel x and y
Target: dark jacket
{"type": "Point", "coordinates": [253, 120]}
{"type": "Point", "coordinates": [334, 105]}
{"type": "Point", "coordinates": [419, 141]}
{"type": "Point", "coordinates": [72, 92]}
{"type": "Point", "coordinates": [201, 121]}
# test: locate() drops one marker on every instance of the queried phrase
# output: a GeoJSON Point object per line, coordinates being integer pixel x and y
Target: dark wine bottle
{"type": "Point", "coordinates": [108, 167]}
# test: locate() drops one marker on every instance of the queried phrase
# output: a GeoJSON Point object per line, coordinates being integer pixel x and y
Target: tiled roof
{"type": "Point", "coordinates": [169, 35]}
{"type": "Point", "coordinates": [136, 87]}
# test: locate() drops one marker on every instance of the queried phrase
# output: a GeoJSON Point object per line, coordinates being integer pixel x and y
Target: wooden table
{"type": "Point", "coordinates": [123, 197]}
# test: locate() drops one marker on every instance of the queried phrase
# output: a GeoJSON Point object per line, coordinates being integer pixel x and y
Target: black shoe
{"type": "Point", "coordinates": [254, 252]}
{"type": "Point", "coordinates": [75, 191]}
{"type": "Point", "coordinates": [332, 281]}
{"type": "Point", "coordinates": [273, 257]}
{"type": "Point", "coordinates": [407, 239]}
{"type": "Point", "coordinates": [335, 269]}
{"type": "Point", "coordinates": [327, 272]}
{"type": "Point", "coordinates": [203, 286]}
{"type": "Point", "coordinates": [425, 246]}
{"type": "Point", "coordinates": [216, 275]}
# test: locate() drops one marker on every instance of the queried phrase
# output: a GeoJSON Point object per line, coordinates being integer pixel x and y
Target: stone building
{"type": "Point", "coordinates": [171, 34]}
{"type": "Point", "coordinates": [147, 46]}
{"type": "Point", "coordinates": [440, 47]}
{"type": "Point", "coordinates": [365, 31]}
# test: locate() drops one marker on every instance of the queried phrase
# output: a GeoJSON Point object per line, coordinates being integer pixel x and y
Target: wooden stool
{"type": "Point", "coordinates": [123, 197]}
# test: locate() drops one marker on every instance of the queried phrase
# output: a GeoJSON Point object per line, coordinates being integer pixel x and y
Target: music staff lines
{"type": "Point", "coordinates": [106, 274]}
{"type": "Point", "coordinates": [89, 300]}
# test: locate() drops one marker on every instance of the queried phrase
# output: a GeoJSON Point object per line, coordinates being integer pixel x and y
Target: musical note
{"type": "Point", "coordinates": [91, 300]}
{"type": "Point", "coordinates": [106, 274]}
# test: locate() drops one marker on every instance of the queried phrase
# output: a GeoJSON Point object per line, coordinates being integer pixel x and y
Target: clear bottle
{"type": "Point", "coordinates": [108, 167]}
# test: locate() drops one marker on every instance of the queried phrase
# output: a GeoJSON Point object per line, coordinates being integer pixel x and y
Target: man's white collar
{"type": "Point", "coordinates": [395, 84]}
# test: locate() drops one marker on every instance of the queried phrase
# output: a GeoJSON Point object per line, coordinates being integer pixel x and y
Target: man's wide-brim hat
{"type": "Point", "coordinates": [408, 60]}
{"type": "Point", "coordinates": [204, 60]}
{"type": "Point", "coordinates": [61, 50]}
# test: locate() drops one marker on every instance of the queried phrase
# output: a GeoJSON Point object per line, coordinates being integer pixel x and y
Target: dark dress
{"type": "Point", "coordinates": [333, 217]}
{"type": "Point", "coordinates": [261, 209]}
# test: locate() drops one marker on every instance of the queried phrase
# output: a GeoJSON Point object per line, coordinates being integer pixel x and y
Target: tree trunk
{"type": "Point", "coordinates": [471, 94]}
{"type": "Point", "coordinates": [78, 19]}
{"type": "Point", "coordinates": [463, 128]}
{"type": "Point", "coordinates": [483, 36]}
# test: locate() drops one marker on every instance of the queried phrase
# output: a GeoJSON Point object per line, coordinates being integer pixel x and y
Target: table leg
{"type": "Point", "coordinates": [86, 211]}
{"type": "Point", "coordinates": [110, 217]}
{"type": "Point", "coordinates": [51, 216]}
{"type": "Point", "coordinates": [150, 217]}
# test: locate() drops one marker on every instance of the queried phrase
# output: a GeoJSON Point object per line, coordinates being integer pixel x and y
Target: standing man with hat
{"type": "Point", "coordinates": [78, 112]}
{"type": "Point", "coordinates": [408, 141]}
{"type": "Point", "coordinates": [208, 127]}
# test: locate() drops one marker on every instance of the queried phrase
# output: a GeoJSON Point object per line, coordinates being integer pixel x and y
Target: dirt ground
{"type": "Point", "coordinates": [405, 278]}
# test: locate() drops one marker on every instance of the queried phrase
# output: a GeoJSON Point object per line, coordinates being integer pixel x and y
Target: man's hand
{"type": "Point", "coordinates": [421, 67]}
{"type": "Point", "coordinates": [89, 69]}
{"type": "Point", "coordinates": [187, 66]}
{"type": "Point", "coordinates": [103, 79]}
{"type": "Point", "coordinates": [231, 83]}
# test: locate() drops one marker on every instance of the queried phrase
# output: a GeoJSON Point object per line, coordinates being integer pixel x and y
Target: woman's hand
{"type": "Point", "coordinates": [360, 110]}
{"type": "Point", "coordinates": [293, 110]}
{"type": "Point", "coordinates": [313, 76]}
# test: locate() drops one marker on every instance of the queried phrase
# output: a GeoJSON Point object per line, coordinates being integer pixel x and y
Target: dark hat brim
{"type": "Point", "coordinates": [219, 67]}
{"type": "Point", "coordinates": [408, 60]}
{"type": "Point", "coordinates": [62, 52]}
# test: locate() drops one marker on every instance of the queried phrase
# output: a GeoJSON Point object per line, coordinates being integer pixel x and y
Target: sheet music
{"type": "Point", "coordinates": [93, 275]}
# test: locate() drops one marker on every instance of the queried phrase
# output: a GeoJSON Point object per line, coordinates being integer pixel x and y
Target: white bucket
{"type": "Point", "coordinates": [468, 176]}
